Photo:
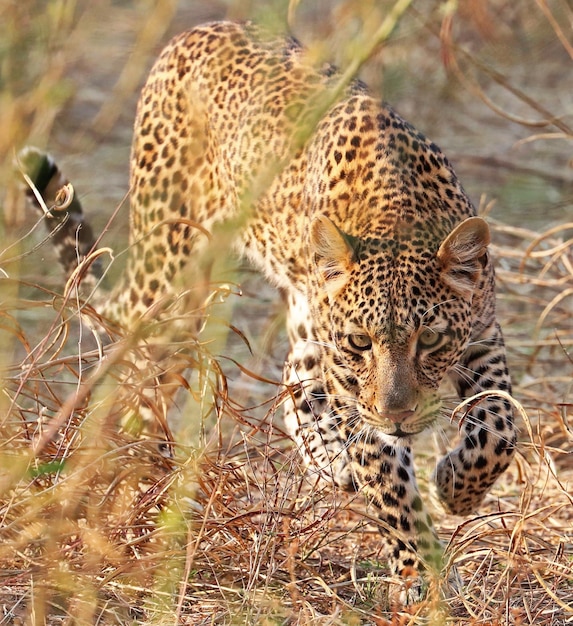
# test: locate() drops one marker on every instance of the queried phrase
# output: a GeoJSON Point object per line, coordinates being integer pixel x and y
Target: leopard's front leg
{"type": "Point", "coordinates": [309, 418]}
{"type": "Point", "coordinates": [384, 473]}
{"type": "Point", "coordinates": [487, 445]}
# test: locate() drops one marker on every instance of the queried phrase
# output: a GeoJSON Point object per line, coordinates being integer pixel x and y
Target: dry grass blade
{"type": "Point", "coordinates": [97, 527]}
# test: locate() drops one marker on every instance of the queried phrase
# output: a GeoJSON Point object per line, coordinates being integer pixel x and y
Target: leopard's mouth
{"type": "Point", "coordinates": [401, 424]}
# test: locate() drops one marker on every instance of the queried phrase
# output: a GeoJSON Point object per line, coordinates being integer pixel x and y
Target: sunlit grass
{"type": "Point", "coordinates": [98, 527]}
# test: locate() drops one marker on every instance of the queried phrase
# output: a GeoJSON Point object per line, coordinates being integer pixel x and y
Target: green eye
{"type": "Point", "coordinates": [360, 342]}
{"type": "Point", "coordinates": [429, 339]}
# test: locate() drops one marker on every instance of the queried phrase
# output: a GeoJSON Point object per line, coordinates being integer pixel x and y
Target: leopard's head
{"type": "Point", "coordinates": [394, 315]}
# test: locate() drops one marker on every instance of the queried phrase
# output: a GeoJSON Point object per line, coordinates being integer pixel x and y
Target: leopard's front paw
{"type": "Point", "coordinates": [409, 587]}
{"type": "Point", "coordinates": [456, 494]}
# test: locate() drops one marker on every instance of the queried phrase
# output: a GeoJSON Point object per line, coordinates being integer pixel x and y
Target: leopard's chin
{"type": "Point", "coordinates": [400, 431]}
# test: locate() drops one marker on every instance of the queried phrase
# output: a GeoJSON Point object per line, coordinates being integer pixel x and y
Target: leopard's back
{"type": "Point", "coordinates": [231, 124]}
{"type": "Point", "coordinates": [215, 123]}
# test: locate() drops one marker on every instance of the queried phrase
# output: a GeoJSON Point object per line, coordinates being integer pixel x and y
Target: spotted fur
{"type": "Point", "coordinates": [363, 224]}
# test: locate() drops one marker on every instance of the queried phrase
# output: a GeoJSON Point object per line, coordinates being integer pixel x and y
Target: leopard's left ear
{"type": "Point", "coordinates": [463, 253]}
{"type": "Point", "coordinates": [333, 252]}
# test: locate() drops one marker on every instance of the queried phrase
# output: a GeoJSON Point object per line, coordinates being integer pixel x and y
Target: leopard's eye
{"type": "Point", "coordinates": [360, 342]}
{"type": "Point", "coordinates": [429, 339]}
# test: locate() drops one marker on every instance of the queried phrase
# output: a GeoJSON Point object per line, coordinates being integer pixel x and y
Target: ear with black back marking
{"type": "Point", "coordinates": [333, 252]}
{"type": "Point", "coordinates": [462, 254]}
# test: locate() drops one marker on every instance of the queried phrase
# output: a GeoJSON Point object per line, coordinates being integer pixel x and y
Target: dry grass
{"type": "Point", "coordinates": [98, 528]}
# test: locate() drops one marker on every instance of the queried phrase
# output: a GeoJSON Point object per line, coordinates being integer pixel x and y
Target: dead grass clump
{"type": "Point", "coordinates": [80, 498]}
{"type": "Point", "coordinates": [98, 527]}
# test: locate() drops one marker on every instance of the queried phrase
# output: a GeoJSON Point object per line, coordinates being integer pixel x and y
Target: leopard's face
{"type": "Point", "coordinates": [393, 346]}
{"type": "Point", "coordinates": [394, 322]}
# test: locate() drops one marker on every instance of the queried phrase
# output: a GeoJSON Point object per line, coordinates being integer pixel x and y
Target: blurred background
{"type": "Point", "coordinates": [491, 82]}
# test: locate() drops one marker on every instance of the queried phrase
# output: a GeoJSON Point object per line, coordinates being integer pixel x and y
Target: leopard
{"type": "Point", "coordinates": [363, 226]}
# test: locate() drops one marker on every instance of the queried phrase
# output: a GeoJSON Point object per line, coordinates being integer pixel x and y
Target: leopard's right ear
{"type": "Point", "coordinates": [333, 252]}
